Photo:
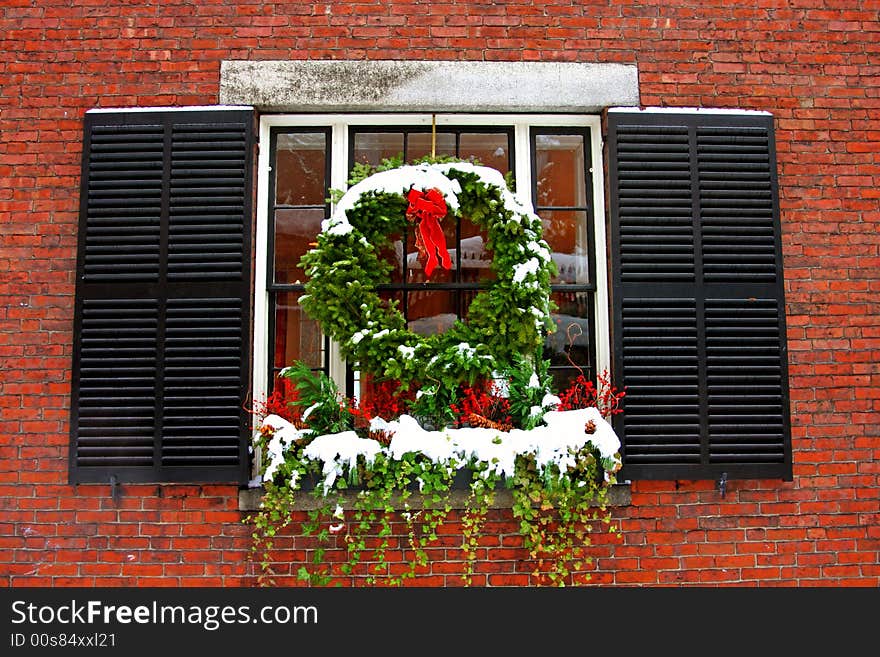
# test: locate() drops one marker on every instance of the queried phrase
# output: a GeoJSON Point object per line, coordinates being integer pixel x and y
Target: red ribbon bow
{"type": "Point", "coordinates": [428, 208]}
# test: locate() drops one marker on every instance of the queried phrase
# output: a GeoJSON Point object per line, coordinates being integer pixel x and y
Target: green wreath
{"type": "Point", "coordinates": [506, 320]}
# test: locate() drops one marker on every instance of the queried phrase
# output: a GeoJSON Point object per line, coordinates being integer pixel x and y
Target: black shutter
{"type": "Point", "coordinates": [699, 314]}
{"type": "Point", "coordinates": [161, 361]}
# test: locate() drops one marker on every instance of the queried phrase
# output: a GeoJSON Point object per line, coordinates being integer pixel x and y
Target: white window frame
{"type": "Point", "coordinates": [339, 149]}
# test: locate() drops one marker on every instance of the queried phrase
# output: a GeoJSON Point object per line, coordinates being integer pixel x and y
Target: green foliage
{"type": "Point", "coordinates": [557, 512]}
{"type": "Point", "coordinates": [319, 398]}
{"type": "Point", "coordinates": [504, 333]}
{"type": "Point", "coordinates": [432, 406]}
{"type": "Point", "coordinates": [556, 509]}
{"type": "Point", "coordinates": [529, 381]}
{"type": "Point", "coordinates": [509, 318]}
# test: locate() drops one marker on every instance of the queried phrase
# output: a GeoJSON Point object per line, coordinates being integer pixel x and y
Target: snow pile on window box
{"type": "Point", "coordinates": [556, 442]}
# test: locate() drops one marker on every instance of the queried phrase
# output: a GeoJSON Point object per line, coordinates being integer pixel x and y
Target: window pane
{"type": "Point", "coordinates": [419, 145]}
{"type": "Point", "coordinates": [570, 343]}
{"type": "Point", "coordinates": [415, 261]}
{"type": "Point", "coordinates": [491, 149]}
{"type": "Point", "coordinates": [566, 233]}
{"type": "Point", "coordinates": [431, 311]}
{"type": "Point", "coordinates": [476, 259]}
{"type": "Point", "coordinates": [300, 169]}
{"type": "Point", "coordinates": [373, 147]}
{"type": "Point", "coordinates": [294, 231]}
{"type": "Point", "coordinates": [564, 377]}
{"type": "Point", "coordinates": [296, 336]}
{"type": "Point", "coordinates": [560, 179]}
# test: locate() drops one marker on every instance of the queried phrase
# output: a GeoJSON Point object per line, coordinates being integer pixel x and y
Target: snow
{"type": "Point", "coordinates": [464, 349]}
{"type": "Point", "coordinates": [523, 269]}
{"type": "Point", "coordinates": [283, 436]}
{"type": "Point", "coordinates": [338, 450]}
{"type": "Point", "coordinates": [423, 177]}
{"type": "Point", "coordinates": [555, 442]}
{"type": "Point", "coordinates": [492, 177]}
{"type": "Point", "coordinates": [394, 181]}
{"type": "Point", "coordinates": [550, 400]}
{"type": "Point", "coordinates": [539, 250]}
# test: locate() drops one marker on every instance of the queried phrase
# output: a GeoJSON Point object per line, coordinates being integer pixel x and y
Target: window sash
{"type": "Point", "coordinates": [340, 126]}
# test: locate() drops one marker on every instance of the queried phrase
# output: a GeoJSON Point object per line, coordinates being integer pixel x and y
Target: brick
{"type": "Point", "coordinates": [811, 532]}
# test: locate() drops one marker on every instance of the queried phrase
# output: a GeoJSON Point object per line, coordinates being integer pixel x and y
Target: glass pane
{"type": "Point", "coordinates": [491, 149]}
{"type": "Point", "coordinates": [569, 344]}
{"type": "Point", "coordinates": [419, 145]}
{"type": "Point", "coordinates": [300, 168]}
{"type": "Point", "coordinates": [564, 377]}
{"type": "Point", "coordinates": [416, 260]}
{"type": "Point", "coordinates": [476, 259]}
{"type": "Point", "coordinates": [566, 233]}
{"type": "Point", "coordinates": [431, 311]}
{"type": "Point", "coordinates": [295, 230]}
{"type": "Point", "coordinates": [559, 163]}
{"type": "Point", "coordinates": [297, 337]}
{"type": "Point", "coordinates": [373, 147]}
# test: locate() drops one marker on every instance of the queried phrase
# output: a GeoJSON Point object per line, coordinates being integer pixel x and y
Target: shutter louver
{"type": "Point", "coordinates": [162, 325]}
{"type": "Point", "coordinates": [736, 200]}
{"type": "Point", "coordinates": [661, 361]}
{"type": "Point", "coordinates": [699, 335]}
{"type": "Point", "coordinates": [117, 384]}
{"type": "Point", "coordinates": [123, 203]}
{"type": "Point", "coordinates": [656, 225]}
{"type": "Point", "coordinates": [202, 382]}
{"type": "Point", "coordinates": [743, 372]}
{"type": "Point", "coordinates": [207, 202]}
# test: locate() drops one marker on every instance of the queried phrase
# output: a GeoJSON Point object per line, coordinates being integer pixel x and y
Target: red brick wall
{"type": "Point", "coordinates": [812, 63]}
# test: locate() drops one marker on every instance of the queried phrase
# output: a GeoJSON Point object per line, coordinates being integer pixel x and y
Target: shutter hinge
{"type": "Point", "coordinates": [722, 484]}
{"type": "Point", "coordinates": [115, 490]}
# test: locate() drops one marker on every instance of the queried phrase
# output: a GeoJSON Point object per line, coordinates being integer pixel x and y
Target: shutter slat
{"type": "Point", "coordinates": [724, 153]}
{"type": "Point", "coordinates": [694, 209]}
{"type": "Point", "coordinates": [119, 212]}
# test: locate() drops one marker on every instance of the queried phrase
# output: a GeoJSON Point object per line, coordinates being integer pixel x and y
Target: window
{"type": "Point", "coordinates": [162, 372]}
{"type": "Point", "coordinates": [551, 157]}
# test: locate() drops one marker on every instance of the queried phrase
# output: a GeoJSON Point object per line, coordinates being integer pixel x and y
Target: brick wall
{"type": "Point", "coordinates": [812, 63]}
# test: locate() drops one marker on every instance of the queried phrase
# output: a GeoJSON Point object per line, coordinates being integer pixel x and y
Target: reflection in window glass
{"type": "Point", "coordinates": [431, 311]}
{"type": "Point", "coordinates": [419, 145]}
{"type": "Point", "coordinates": [300, 166]}
{"type": "Point", "coordinates": [297, 205]}
{"type": "Point", "coordinates": [559, 167]}
{"type": "Point", "coordinates": [566, 234]}
{"type": "Point", "coordinates": [373, 147]}
{"type": "Point", "coordinates": [571, 346]}
{"type": "Point", "coordinates": [490, 148]}
{"type": "Point", "coordinates": [296, 336]}
{"type": "Point", "coordinates": [295, 229]}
